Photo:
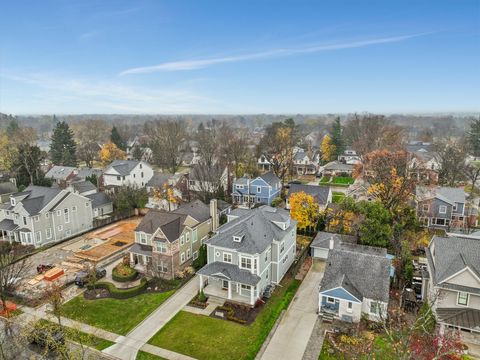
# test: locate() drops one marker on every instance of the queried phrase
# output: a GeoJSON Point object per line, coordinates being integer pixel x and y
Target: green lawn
{"type": "Point", "coordinates": [337, 197]}
{"type": "Point", "coordinates": [325, 180]}
{"type": "Point", "coordinates": [205, 338]}
{"type": "Point", "coordinates": [343, 180]}
{"type": "Point", "coordinates": [143, 355]}
{"type": "Point", "coordinates": [115, 315]}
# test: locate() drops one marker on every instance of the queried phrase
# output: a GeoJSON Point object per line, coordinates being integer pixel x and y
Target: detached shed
{"type": "Point", "coordinates": [325, 241]}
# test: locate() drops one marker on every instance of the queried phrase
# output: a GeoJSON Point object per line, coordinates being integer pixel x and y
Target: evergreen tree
{"type": "Point", "coordinates": [337, 137]}
{"type": "Point", "coordinates": [12, 127]}
{"type": "Point", "coordinates": [117, 139]}
{"type": "Point", "coordinates": [63, 147]}
{"type": "Point", "coordinates": [474, 137]}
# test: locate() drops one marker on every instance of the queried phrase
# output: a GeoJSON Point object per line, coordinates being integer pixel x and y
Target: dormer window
{"type": "Point", "coordinates": [237, 238]}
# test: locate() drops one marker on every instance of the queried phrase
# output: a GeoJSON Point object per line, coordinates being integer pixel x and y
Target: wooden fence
{"type": "Point", "coordinates": [116, 216]}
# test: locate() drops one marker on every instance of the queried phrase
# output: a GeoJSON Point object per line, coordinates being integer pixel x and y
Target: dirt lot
{"type": "Point", "coordinates": [102, 248]}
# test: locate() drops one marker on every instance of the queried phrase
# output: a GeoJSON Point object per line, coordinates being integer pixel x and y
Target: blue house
{"type": "Point", "coordinates": [261, 190]}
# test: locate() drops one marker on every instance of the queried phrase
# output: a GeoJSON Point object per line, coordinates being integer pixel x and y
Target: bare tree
{"type": "Point", "coordinates": [89, 134]}
{"type": "Point", "coordinates": [452, 156]}
{"type": "Point", "coordinates": [208, 139]}
{"type": "Point", "coordinates": [11, 271]}
{"type": "Point", "coordinates": [472, 173]}
{"type": "Point", "coordinates": [208, 181]}
{"type": "Point", "coordinates": [167, 140]}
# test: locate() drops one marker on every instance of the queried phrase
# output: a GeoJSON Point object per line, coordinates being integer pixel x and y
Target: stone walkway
{"type": "Point", "coordinates": [213, 302]}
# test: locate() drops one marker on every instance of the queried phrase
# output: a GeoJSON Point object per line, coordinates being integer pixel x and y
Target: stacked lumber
{"type": "Point", "coordinates": [53, 274]}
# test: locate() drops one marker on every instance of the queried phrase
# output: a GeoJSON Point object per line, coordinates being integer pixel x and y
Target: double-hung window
{"type": "Point", "coordinates": [442, 209]}
{"type": "Point", "coordinates": [246, 263]}
{"type": "Point", "coordinates": [374, 308]}
{"type": "Point", "coordinates": [161, 247]}
{"type": "Point", "coordinates": [462, 298]}
{"type": "Point", "coordinates": [66, 215]}
{"type": "Point", "coordinates": [227, 257]}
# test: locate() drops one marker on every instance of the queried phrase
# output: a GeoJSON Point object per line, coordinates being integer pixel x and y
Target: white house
{"type": "Point", "coordinates": [127, 173]}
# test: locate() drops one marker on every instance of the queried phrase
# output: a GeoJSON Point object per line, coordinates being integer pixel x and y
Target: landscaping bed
{"type": "Point", "coordinates": [199, 301]}
{"type": "Point", "coordinates": [106, 289]}
{"type": "Point", "coordinates": [124, 273]}
{"type": "Point", "coordinates": [216, 339]}
{"type": "Point", "coordinates": [241, 314]}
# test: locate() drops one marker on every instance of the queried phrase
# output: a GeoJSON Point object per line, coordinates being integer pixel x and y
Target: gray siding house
{"type": "Point", "coordinates": [452, 282]}
{"type": "Point", "coordinates": [440, 207]}
{"type": "Point", "coordinates": [249, 253]}
{"type": "Point", "coordinates": [41, 215]}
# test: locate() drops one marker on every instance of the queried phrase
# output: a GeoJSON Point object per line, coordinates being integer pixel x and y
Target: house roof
{"type": "Point", "coordinates": [466, 318]}
{"type": "Point", "coordinates": [338, 166]}
{"type": "Point", "coordinates": [322, 240]}
{"type": "Point", "coordinates": [448, 194]}
{"type": "Point", "coordinates": [84, 172]}
{"type": "Point", "coordinates": [196, 209]}
{"type": "Point", "coordinates": [7, 187]}
{"type": "Point", "coordinates": [141, 249]}
{"type": "Point", "coordinates": [320, 193]}
{"type": "Point", "coordinates": [7, 225]}
{"type": "Point", "coordinates": [299, 155]}
{"type": "Point", "coordinates": [37, 198]}
{"type": "Point", "coordinates": [84, 186]}
{"type": "Point", "coordinates": [228, 271]}
{"type": "Point", "coordinates": [158, 180]}
{"type": "Point", "coordinates": [123, 167]}
{"type": "Point", "coordinates": [171, 224]}
{"type": "Point", "coordinates": [99, 199]}
{"type": "Point", "coordinates": [270, 178]}
{"type": "Point", "coordinates": [58, 172]}
{"type": "Point", "coordinates": [347, 268]}
{"type": "Point", "coordinates": [222, 205]}
{"type": "Point", "coordinates": [448, 256]}
{"type": "Point", "coordinates": [256, 228]}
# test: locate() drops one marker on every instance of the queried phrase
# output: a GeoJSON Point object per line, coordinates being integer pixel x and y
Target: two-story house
{"type": "Point", "coordinates": [452, 281]}
{"type": "Point", "coordinates": [168, 242]}
{"type": "Point", "coordinates": [249, 253]}
{"type": "Point", "coordinates": [61, 175]}
{"type": "Point", "coordinates": [345, 292]}
{"type": "Point", "coordinates": [261, 190]}
{"type": "Point", "coordinates": [130, 173]}
{"type": "Point", "coordinates": [321, 194]}
{"type": "Point", "coordinates": [424, 163]}
{"type": "Point", "coordinates": [304, 164]}
{"type": "Point", "coordinates": [349, 156]}
{"type": "Point", "coordinates": [263, 163]}
{"type": "Point", "coordinates": [41, 215]}
{"type": "Point", "coordinates": [440, 207]}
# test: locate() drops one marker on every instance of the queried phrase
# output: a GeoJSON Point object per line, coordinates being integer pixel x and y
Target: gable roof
{"type": "Point", "coordinates": [196, 209]}
{"type": "Point", "coordinates": [99, 199]}
{"type": "Point", "coordinates": [38, 197]}
{"type": "Point", "coordinates": [346, 269]}
{"type": "Point", "coordinates": [448, 194]}
{"type": "Point", "coordinates": [169, 223]}
{"type": "Point", "coordinates": [84, 186]}
{"type": "Point", "coordinates": [320, 193]}
{"type": "Point", "coordinates": [256, 228]}
{"type": "Point", "coordinates": [338, 166]}
{"type": "Point", "coordinates": [322, 240]}
{"type": "Point", "coordinates": [58, 172]}
{"type": "Point", "coordinates": [84, 172]}
{"type": "Point", "coordinates": [7, 187]}
{"type": "Point", "coordinates": [123, 167]}
{"type": "Point", "coordinates": [449, 256]}
{"type": "Point", "coordinates": [270, 178]}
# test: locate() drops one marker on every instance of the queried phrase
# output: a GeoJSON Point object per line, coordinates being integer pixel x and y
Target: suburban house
{"type": "Point", "coordinates": [346, 292]}
{"type": "Point", "coordinates": [7, 188]}
{"type": "Point", "coordinates": [325, 241]}
{"type": "Point", "coordinates": [424, 162]}
{"type": "Point", "coordinates": [168, 242]}
{"type": "Point", "coordinates": [452, 281]}
{"type": "Point", "coordinates": [358, 191]}
{"type": "Point", "coordinates": [321, 194]}
{"type": "Point", "coordinates": [160, 182]}
{"type": "Point", "coordinates": [102, 205]}
{"type": "Point", "coordinates": [263, 163]}
{"type": "Point", "coordinates": [61, 175]}
{"type": "Point", "coordinates": [208, 180]}
{"type": "Point", "coordinates": [350, 157]}
{"type": "Point", "coordinates": [130, 173]}
{"type": "Point", "coordinates": [304, 164]}
{"type": "Point", "coordinates": [336, 168]}
{"type": "Point", "coordinates": [41, 215]}
{"type": "Point", "coordinates": [248, 254]}
{"type": "Point", "coordinates": [82, 187]}
{"type": "Point", "coordinates": [261, 190]}
{"type": "Point", "coordinates": [441, 207]}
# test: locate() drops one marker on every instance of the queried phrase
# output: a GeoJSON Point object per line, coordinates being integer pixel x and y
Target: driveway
{"type": "Point", "coordinates": [126, 347]}
{"type": "Point", "coordinates": [291, 337]}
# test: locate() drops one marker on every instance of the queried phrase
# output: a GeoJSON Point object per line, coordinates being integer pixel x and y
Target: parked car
{"type": "Point", "coordinates": [82, 276]}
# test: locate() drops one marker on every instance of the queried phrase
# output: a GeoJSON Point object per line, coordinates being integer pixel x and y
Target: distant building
{"type": "Point", "coordinates": [61, 175]}
{"type": "Point", "coordinates": [131, 173]}
{"type": "Point", "coordinates": [321, 194]}
{"type": "Point", "coordinates": [261, 190]}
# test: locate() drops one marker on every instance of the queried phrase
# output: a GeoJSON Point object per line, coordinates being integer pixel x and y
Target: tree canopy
{"type": "Point", "coordinates": [116, 138]}
{"type": "Point", "coordinates": [63, 147]}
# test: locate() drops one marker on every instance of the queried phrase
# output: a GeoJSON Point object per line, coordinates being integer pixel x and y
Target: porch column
{"type": "Point", "coordinates": [201, 282]}
{"type": "Point", "coordinates": [229, 297]}
{"type": "Point", "coordinates": [252, 290]}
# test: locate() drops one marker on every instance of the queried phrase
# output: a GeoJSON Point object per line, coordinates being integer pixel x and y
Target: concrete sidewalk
{"type": "Point", "coordinates": [126, 347]}
{"type": "Point", "coordinates": [293, 333]}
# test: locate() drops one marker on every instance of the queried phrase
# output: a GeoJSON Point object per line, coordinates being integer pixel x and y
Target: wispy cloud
{"type": "Point", "coordinates": [282, 52]}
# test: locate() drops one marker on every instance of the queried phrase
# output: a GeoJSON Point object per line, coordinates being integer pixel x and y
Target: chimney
{"type": "Point", "coordinates": [331, 243]}
{"type": "Point", "coordinates": [214, 214]}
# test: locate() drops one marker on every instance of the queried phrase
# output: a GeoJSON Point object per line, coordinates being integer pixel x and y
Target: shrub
{"type": "Point", "coordinates": [121, 293]}
{"type": "Point", "coordinates": [231, 315]}
{"type": "Point", "coordinates": [201, 296]}
{"type": "Point", "coordinates": [124, 273]}
{"type": "Point", "coordinates": [277, 201]}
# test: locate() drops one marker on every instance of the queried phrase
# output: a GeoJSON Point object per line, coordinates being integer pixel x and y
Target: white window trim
{"type": "Point", "coordinates": [330, 302]}
{"type": "Point", "coordinates": [228, 256]}
{"type": "Point", "coordinates": [441, 207]}
{"type": "Point", "coordinates": [48, 233]}
{"type": "Point", "coordinates": [182, 257]}
{"type": "Point", "coordinates": [458, 298]}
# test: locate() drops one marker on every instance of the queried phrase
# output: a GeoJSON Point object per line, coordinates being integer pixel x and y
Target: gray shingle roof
{"type": "Point", "coordinates": [123, 167]}
{"type": "Point", "coordinates": [466, 318]}
{"type": "Point", "coordinates": [99, 199]}
{"type": "Point", "coordinates": [84, 186]}
{"type": "Point", "coordinates": [141, 249]}
{"type": "Point", "coordinates": [84, 172]}
{"type": "Point", "coordinates": [196, 209]}
{"type": "Point", "coordinates": [256, 228]}
{"type": "Point", "coordinates": [38, 197]}
{"type": "Point", "coordinates": [447, 194]}
{"type": "Point", "coordinates": [348, 269]}
{"type": "Point", "coordinates": [338, 166]}
{"type": "Point", "coordinates": [7, 187]}
{"type": "Point", "coordinates": [229, 272]}
{"type": "Point", "coordinates": [270, 178]}
{"type": "Point", "coordinates": [322, 240]}
{"type": "Point", "coordinates": [171, 224]}
{"type": "Point", "coordinates": [158, 180]}
{"type": "Point", "coordinates": [58, 172]}
{"type": "Point", "coordinates": [320, 193]}
{"type": "Point", "coordinates": [7, 225]}
{"type": "Point", "coordinates": [452, 255]}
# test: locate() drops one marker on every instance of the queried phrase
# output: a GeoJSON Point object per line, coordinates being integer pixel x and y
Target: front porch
{"type": "Point", "coordinates": [228, 290]}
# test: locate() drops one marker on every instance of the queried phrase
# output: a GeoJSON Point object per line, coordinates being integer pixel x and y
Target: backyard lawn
{"type": "Point", "coordinates": [205, 338]}
{"type": "Point", "coordinates": [337, 197]}
{"type": "Point", "coordinates": [114, 315]}
{"type": "Point", "coordinates": [337, 181]}
{"type": "Point", "coordinates": [143, 355]}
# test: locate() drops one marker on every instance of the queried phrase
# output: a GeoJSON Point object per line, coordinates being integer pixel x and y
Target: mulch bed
{"type": "Point", "coordinates": [244, 313]}
{"type": "Point", "coordinates": [96, 294]}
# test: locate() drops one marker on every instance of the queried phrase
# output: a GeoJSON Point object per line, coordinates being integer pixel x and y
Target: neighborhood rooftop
{"type": "Point", "coordinates": [123, 167]}
{"type": "Point", "coordinates": [447, 194]}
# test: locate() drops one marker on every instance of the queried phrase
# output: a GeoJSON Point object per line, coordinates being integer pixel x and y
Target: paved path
{"type": "Point", "coordinates": [314, 346]}
{"type": "Point", "coordinates": [293, 333]}
{"type": "Point", "coordinates": [126, 347]}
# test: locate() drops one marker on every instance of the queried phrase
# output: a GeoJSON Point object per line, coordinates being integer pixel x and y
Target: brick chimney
{"type": "Point", "coordinates": [214, 214]}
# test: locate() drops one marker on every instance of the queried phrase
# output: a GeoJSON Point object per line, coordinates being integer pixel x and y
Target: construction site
{"type": "Point", "coordinates": [62, 262]}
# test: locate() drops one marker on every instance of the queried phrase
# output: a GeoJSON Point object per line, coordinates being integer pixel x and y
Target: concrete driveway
{"type": "Point", "coordinates": [291, 337]}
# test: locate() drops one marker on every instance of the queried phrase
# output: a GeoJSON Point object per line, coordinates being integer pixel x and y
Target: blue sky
{"type": "Point", "coordinates": [62, 56]}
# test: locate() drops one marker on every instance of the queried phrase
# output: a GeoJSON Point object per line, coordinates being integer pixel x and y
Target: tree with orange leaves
{"type": "Point", "coordinates": [304, 209]}
{"type": "Point", "coordinates": [166, 193]}
{"type": "Point", "coordinates": [110, 152]}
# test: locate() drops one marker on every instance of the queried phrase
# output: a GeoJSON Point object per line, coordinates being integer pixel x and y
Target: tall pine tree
{"type": "Point", "coordinates": [117, 139]}
{"type": "Point", "coordinates": [474, 137]}
{"type": "Point", "coordinates": [337, 137]}
{"type": "Point", "coordinates": [63, 147]}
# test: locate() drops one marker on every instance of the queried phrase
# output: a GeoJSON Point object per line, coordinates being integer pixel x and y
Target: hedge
{"type": "Point", "coordinates": [121, 278]}
{"type": "Point", "coordinates": [121, 293]}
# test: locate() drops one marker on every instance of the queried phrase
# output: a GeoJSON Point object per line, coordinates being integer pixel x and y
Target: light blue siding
{"type": "Point", "coordinates": [339, 293]}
